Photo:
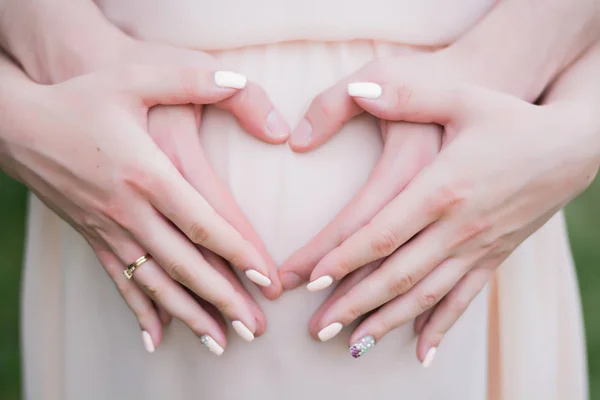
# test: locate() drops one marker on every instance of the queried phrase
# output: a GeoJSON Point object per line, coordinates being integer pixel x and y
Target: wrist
{"type": "Point", "coordinates": [481, 68]}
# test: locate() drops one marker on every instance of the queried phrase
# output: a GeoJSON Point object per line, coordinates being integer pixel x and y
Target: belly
{"type": "Point", "coordinates": [288, 198]}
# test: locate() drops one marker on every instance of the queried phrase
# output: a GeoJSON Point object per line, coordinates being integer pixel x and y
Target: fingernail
{"type": "Point", "coordinates": [290, 280]}
{"type": "Point", "coordinates": [258, 278]}
{"type": "Point", "coordinates": [362, 346]}
{"type": "Point", "coordinates": [148, 344]}
{"type": "Point", "coordinates": [276, 125]}
{"type": "Point", "coordinates": [320, 284]}
{"type": "Point", "coordinates": [429, 357]}
{"type": "Point", "coordinates": [243, 331]}
{"type": "Point", "coordinates": [211, 344]}
{"type": "Point", "coordinates": [228, 79]}
{"type": "Point", "coordinates": [330, 331]}
{"type": "Point", "coordinates": [367, 90]}
{"type": "Point", "coordinates": [302, 134]}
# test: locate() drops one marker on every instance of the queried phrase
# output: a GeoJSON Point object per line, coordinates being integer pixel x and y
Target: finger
{"type": "Point", "coordinates": [328, 112]}
{"type": "Point", "coordinates": [422, 319]}
{"type": "Point", "coordinates": [421, 203]}
{"type": "Point", "coordinates": [425, 295]}
{"type": "Point", "coordinates": [447, 313]}
{"type": "Point", "coordinates": [397, 275]}
{"type": "Point", "coordinates": [408, 148]}
{"type": "Point", "coordinates": [165, 317]}
{"type": "Point", "coordinates": [186, 153]}
{"type": "Point", "coordinates": [344, 287]}
{"type": "Point", "coordinates": [136, 299]}
{"type": "Point", "coordinates": [184, 263]}
{"type": "Point", "coordinates": [257, 114]}
{"type": "Point", "coordinates": [221, 266]}
{"type": "Point", "coordinates": [163, 290]}
{"type": "Point", "coordinates": [180, 203]}
{"type": "Point", "coordinates": [170, 85]}
{"type": "Point", "coordinates": [413, 101]}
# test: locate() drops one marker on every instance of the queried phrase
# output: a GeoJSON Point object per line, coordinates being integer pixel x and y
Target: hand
{"type": "Point", "coordinates": [408, 149]}
{"type": "Point", "coordinates": [505, 168]}
{"type": "Point", "coordinates": [97, 167]}
{"type": "Point", "coordinates": [175, 130]}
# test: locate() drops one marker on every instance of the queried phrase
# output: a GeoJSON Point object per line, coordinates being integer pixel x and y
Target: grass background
{"type": "Point", "coordinates": [583, 216]}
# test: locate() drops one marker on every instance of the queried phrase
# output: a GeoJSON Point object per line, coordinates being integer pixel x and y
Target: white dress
{"type": "Point", "coordinates": [520, 339]}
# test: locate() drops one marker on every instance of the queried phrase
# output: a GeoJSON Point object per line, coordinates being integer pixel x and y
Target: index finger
{"type": "Point", "coordinates": [411, 211]}
{"type": "Point", "coordinates": [328, 112]}
{"type": "Point", "coordinates": [180, 203]}
{"type": "Point", "coordinates": [408, 148]}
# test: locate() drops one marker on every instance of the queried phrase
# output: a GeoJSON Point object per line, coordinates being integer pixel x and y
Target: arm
{"type": "Point", "coordinates": [56, 39]}
{"type": "Point", "coordinates": [522, 45]}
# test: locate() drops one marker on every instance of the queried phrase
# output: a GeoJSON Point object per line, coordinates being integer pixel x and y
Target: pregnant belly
{"type": "Point", "coordinates": [288, 198]}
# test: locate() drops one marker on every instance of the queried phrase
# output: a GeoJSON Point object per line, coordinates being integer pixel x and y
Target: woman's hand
{"type": "Point", "coordinates": [408, 149]}
{"type": "Point", "coordinates": [505, 168]}
{"type": "Point", "coordinates": [83, 148]}
{"type": "Point", "coordinates": [175, 130]}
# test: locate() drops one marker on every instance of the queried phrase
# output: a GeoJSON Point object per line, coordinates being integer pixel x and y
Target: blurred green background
{"type": "Point", "coordinates": [583, 217]}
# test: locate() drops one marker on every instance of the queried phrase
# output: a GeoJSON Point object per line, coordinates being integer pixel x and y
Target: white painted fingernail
{"type": "Point", "coordinates": [367, 90]}
{"type": "Point", "coordinates": [320, 284]}
{"type": "Point", "coordinates": [429, 357]}
{"type": "Point", "coordinates": [330, 331]}
{"type": "Point", "coordinates": [243, 331]}
{"type": "Point", "coordinates": [211, 344]}
{"type": "Point", "coordinates": [258, 278]}
{"type": "Point", "coordinates": [228, 79]}
{"type": "Point", "coordinates": [148, 344]}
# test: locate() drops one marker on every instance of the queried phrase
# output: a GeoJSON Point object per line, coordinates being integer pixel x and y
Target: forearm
{"type": "Point", "coordinates": [521, 45]}
{"type": "Point", "coordinates": [56, 39]}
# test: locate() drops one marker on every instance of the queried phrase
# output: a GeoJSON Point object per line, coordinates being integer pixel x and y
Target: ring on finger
{"type": "Point", "coordinates": [135, 265]}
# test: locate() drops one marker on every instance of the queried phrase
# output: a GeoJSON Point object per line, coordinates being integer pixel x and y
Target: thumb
{"type": "Point", "coordinates": [412, 102]}
{"type": "Point", "coordinates": [168, 85]}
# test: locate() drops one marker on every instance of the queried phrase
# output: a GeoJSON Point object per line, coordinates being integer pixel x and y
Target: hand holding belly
{"type": "Point", "coordinates": [88, 155]}
{"type": "Point", "coordinates": [445, 234]}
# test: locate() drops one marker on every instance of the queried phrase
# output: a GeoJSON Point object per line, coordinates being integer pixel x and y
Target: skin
{"type": "Point", "coordinates": [119, 190]}
{"type": "Point", "coordinates": [486, 56]}
{"type": "Point", "coordinates": [173, 128]}
{"type": "Point", "coordinates": [55, 63]}
{"type": "Point", "coordinates": [442, 238]}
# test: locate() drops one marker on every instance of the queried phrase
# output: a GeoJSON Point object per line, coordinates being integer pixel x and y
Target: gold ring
{"type": "Point", "coordinates": [134, 265]}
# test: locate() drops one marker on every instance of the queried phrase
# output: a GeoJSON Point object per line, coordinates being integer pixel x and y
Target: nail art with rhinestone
{"type": "Point", "coordinates": [362, 346]}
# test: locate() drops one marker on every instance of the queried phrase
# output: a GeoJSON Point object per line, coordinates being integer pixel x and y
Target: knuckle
{"type": "Point", "coordinates": [188, 81]}
{"type": "Point", "coordinates": [427, 300]}
{"type": "Point", "coordinates": [401, 96]}
{"type": "Point", "coordinates": [354, 310]}
{"type": "Point", "coordinates": [156, 293]}
{"type": "Point", "coordinates": [471, 230]}
{"type": "Point", "coordinates": [459, 305]}
{"type": "Point", "coordinates": [400, 284]}
{"type": "Point", "coordinates": [124, 287]}
{"type": "Point", "coordinates": [225, 304]}
{"type": "Point", "coordinates": [342, 267]}
{"type": "Point", "coordinates": [448, 196]}
{"type": "Point", "coordinates": [198, 233]}
{"type": "Point", "coordinates": [385, 242]}
{"type": "Point", "coordinates": [179, 273]}
{"type": "Point", "coordinates": [380, 325]}
{"type": "Point", "coordinates": [139, 177]}
{"type": "Point", "coordinates": [323, 108]}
